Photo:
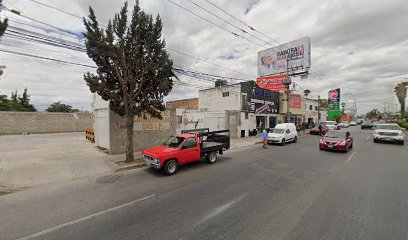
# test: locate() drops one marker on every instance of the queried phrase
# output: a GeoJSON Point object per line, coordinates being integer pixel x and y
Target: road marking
{"type": "Point", "coordinates": [58, 227]}
{"type": "Point", "coordinates": [219, 210]}
{"type": "Point", "coordinates": [368, 137]}
{"type": "Point", "coordinates": [352, 155]}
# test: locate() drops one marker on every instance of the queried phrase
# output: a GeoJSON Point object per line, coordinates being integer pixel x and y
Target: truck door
{"type": "Point", "coordinates": [190, 151]}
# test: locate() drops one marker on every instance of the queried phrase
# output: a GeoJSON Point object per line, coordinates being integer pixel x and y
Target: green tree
{"type": "Point", "coordinates": [134, 70]}
{"type": "Point", "coordinates": [323, 103]}
{"type": "Point", "coordinates": [24, 101]}
{"type": "Point", "coordinates": [4, 23]}
{"type": "Point", "coordinates": [401, 92]}
{"type": "Point", "coordinates": [373, 114]}
{"type": "Point", "coordinates": [61, 107]}
{"type": "Point", "coordinates": [16, 103]}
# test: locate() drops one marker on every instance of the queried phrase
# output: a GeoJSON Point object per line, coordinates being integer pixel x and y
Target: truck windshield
{"type": "Point", "coordinates": [174, 142]}
{"type": "Point", "coordinates": [388, 127]}
{"type": "Point", "coordinates": [278, 130]}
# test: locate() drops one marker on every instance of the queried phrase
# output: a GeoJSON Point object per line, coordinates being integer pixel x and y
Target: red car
{"type": "Point", "coordinates": [315, 130]}
{"type": "Point", "coordinates": [336, 140]}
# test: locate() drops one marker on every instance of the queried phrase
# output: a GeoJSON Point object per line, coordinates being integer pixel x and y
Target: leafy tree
{"type": "Point", "coordinates": [306, 92]}
{"type": "Point", "coordinates": [4, 23]}
{"type": "Point", "coordinates": [401, 92]}
{"type": "Point", "coordinates": [134, 70]}
{"type": "Point", "coordinates": [60, 107]}
{"type": "Point", "coordinates": [373, 114]}
{"type": "Point", "coordinates": [323, 103]}
{"type": "Point", "coordinates": [16, 103]}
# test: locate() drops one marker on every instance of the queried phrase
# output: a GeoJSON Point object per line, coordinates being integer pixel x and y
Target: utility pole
{"type": "Point", "coordinates": [287, 81]}
{"type": "Point", "coordinates": [318, 109]}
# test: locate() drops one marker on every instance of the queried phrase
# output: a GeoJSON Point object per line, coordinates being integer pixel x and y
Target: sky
{"type": "Point", "coordinates": [359, 46]}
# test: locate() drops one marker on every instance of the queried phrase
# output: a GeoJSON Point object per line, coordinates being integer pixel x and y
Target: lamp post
{"type": "Point", "coordinates": [287, 81]}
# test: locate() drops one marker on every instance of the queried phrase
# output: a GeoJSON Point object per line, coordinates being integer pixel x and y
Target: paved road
{"type": "Point", "coordinates": [290, 192]}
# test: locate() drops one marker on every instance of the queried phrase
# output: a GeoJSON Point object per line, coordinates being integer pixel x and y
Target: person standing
{"type": "Point", "coordinates": [320, 129]}
{"type": "Point", "coordinates": [265, 138]}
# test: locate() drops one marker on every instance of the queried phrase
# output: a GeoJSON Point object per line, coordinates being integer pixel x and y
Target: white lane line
{"type": "Point", "coordinates": [58, 227]}
{"type": "Point", "coordinates": [368, 137]}
{"type": "Point", "coordinates": [219, 210]}
{"type": "Point", "coordinates": [352, 155]}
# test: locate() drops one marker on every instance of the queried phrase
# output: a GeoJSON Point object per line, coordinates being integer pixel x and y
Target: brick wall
{"type": "Point", "coordinates": [141, 138]}
{"type": "Point", "coordinates": [191, 103]}
{"type": "Point", "coordinates": [42, 122]}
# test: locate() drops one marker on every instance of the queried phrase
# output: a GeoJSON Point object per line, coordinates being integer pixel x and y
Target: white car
{"type": "Point", "coordinates": [388, 133]}
{"type": "Point", "coordinates": [283, 133]}
{"type": "Point", "coordinates": [343, 125]}
{"type": "Point", "coordinates": [331, 125]}
{"type": "Point", "coordinates": [352, 123]}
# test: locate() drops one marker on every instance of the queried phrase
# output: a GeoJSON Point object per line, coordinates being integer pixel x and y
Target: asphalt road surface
{"type": "Point", "coordinates": [289, 192]}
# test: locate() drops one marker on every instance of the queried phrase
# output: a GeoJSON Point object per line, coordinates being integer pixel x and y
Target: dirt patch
{"type": "Point", "coordinates": [4, 193]}
{"type": "Point", "coordinates": [108, 179]}
{"type": "Point", "coordinates": [137, 163]}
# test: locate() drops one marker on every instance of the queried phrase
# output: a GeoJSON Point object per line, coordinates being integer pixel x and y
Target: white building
{"type": "Point", "coordinates": [247, 107]}
{"type": "Point", "coordinates": [310, 114]}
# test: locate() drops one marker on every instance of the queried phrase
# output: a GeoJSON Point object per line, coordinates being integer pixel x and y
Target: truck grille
{"type": "Point", "coordinates": [388, 133]}
{"type": "Point", "coordinates": [148, 157]}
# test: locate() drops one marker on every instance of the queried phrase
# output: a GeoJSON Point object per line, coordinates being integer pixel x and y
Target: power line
{"type": "Point", "coordinates": [251, 28]}
{"type": "Point", "coordinates": [45, 58]}
{"type": "Point", "coordinates": [57, 9]}
{"type": "Point", "coordinates": [215, 24]}
{"type": "Point", "coordinates": [222, 19]}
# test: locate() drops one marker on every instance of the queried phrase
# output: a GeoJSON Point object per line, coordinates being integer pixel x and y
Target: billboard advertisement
{"type": "Point", "coordinates": [258, 100]}
{"type": "Point", "coordinates": [334, 104]}
{"type": "Point", "coordinates": [272, 83]}
{"type": "Point", "coordinates": [295, 100]}
{"type": "Point", "coordinates": [272, 61]}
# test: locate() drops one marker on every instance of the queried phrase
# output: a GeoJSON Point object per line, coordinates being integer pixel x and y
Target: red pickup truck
{"type": "Point", "coordinates": [187, 147]}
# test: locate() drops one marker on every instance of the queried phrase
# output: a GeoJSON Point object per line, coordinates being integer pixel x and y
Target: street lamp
{"type": "Point", "coordinates": [287, 81]}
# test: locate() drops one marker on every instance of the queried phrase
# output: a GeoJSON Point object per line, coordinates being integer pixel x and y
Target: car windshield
{"type": "Point", "coordinates": [278, 130]}
{"type": "Point", "coordinates": [330, 123]}
{"type": "Point", "coordinates": [335, 135]}
{"type": "Point", "coordinates": [174, 142]}
{"type": "Point", "coordinates": [366, 122]}
{"type": "Point", "coordinates": [388, 127]}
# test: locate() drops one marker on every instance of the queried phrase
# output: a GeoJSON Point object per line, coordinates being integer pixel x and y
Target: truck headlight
{"type": "Point", "coordinates": [156, 161]}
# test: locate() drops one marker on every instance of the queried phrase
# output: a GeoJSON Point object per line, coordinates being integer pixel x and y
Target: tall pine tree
{"type": "Point", "coordinates": [134, 70]}
{"type": "Point", "coordinates": [3, 23]}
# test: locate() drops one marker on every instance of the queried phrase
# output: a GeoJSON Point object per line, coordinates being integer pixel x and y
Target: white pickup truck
{"type": "Point", "coordinates": [388, 133]}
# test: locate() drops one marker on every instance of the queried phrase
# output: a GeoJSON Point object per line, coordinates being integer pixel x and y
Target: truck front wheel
{"type": "Point", "coordinates": [170, 167]}
{"type": "Point", "coordinates": [211, 157]}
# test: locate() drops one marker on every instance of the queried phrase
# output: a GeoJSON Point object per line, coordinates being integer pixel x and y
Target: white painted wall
{"type": "Point", "coordinates": [212, 100]}
{"type": "Point", "coordinates": [101, 121]}
{"type": "Point", "coordinates": [310, 113]}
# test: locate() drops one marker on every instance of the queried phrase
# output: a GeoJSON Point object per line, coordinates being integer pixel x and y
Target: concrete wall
{"type": "Point", "coordinates": [146, 134]}
{"type": "Point", "coordinates": [44, 122]}
{"type": "Point", "coordinates": [213, 100]}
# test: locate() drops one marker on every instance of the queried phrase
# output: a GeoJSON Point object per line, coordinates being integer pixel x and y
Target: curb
{"type": "Point", "coordinates": [138, 163]}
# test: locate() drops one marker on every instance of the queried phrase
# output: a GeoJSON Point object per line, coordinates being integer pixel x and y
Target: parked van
{"type": "Point", "coordinates": [283, 133]}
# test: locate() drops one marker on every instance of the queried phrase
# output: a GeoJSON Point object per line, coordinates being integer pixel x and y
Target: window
{"type": "Point", "coordinates": [310, 107]}
{"type": "Point", "coordinates": [225, 94]}
{"type": "Point", "coordinates": [246, 115]}
{"type": "Point", "coordinates": [287, 131]}
{"type": "Point", "coordinates": [190, 143]}
{"type": "Point", "coordinates": [315, 108]}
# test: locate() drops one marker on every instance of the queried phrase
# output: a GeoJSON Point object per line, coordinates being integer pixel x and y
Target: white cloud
{"type": "Point", "coordinates": [359, 46]}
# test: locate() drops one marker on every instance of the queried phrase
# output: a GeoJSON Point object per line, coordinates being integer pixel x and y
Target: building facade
{"type": "Point", "coordinates": [310, 116]}
{"type": "Point", "coordinates": [248, 109]}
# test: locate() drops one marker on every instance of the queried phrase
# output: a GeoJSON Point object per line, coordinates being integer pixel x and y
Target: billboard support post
{"type": "Point", "coordinates": [287, 81]}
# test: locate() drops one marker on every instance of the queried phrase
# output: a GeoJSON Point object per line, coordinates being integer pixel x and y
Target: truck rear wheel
{"type": "Point", "coordinates": [170, 167]}
{"type": "Point", "coordinates": [211, 157]}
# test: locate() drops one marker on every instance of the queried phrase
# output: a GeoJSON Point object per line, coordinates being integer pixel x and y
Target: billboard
{"type": "Point", "coordinates": [295, 100]}
{"type": "Point", "coordinates": [334, 104]}
{"type": "Point", "coordinates": [272, 83]}
{"type": "Point", "coordinates": [272, 61]}
{"type": "Point", "coordinates": [258, 100]}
